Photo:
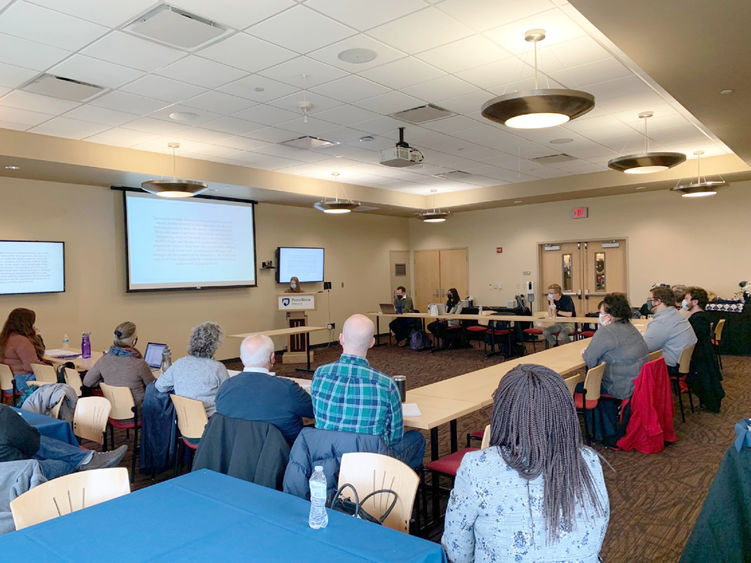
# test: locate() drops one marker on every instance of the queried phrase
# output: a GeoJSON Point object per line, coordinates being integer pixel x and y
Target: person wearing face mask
{"type": "Point", "coordinates": [619, 344]}
{"type": "Point", "coordinates": [401, 327]}
{"type": "Point", "coordinates": [668, 330]}
{"type": "Point", "coordinates": [559, 305]}
{"type": "Point", "coordinates": [294, 286]}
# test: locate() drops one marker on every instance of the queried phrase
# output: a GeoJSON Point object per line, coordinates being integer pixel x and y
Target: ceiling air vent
{"type": "Point", "coordinates": [309, 142]}
{"type": "Point", "coordinates": [423, 114]}
{"type": "Point", "coordinates": [553, 159]}
{"type": "Point", "coordinates": [176, 28]}
{"type": "Point", "coordinates": [65, 88]}
{"type": "Point", "coordinates": [454, 175]}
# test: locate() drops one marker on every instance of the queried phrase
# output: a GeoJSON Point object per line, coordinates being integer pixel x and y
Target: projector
{"type": "Point", "coordinates": [401, 154]}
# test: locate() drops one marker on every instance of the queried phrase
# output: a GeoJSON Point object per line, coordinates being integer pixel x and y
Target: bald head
{"type": "Point", "coordinates": [257, 351]}
{"type": "Point", "coordinates": [357, 335]}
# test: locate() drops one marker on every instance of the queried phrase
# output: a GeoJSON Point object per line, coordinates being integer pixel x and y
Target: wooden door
{"type": "Point", "coordinates": [561, 263]}
{"type": "Point", "coordinates": [453, 268]}
{"type": "Point", "coordinates": [427, 278]}
{"type": "Point", "coordinates": [605, 271]}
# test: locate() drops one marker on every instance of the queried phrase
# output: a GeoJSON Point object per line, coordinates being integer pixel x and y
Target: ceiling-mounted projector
{"type": "Point", "coordinates": [401, 154]}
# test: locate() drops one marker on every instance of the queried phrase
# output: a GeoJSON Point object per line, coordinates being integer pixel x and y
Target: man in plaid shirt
{"type": "Point", "coordinates": [350, 396]}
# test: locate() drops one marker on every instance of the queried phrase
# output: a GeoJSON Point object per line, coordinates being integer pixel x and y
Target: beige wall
{"type": "Point", "coordinates": [669, 239]}
{"type": "Point", "coordinates": [90, 221]}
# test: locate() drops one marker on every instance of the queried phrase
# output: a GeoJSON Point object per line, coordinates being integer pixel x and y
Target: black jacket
{"type": "Point", "coordinates": [705, 377]}
{"type": "Point", "coordinates": [158, 431]}
{"type": "Point", "coordinates": [18, 438]}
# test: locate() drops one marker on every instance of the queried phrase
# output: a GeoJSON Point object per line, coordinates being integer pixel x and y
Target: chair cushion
{"type": "Point", "coordinates": [579, 402]}
{"type": "Point", "coordinates": [449, 464]}
{"type": "Point", "coordinates": [532, 331]}
{"type": "Point", "coordinates": [478, 434]}
{"type": "Point", "coordinates": [192, 443]}
{"type": "Point", "coordinates": [477, 328]}
{"type": "Point", "coordinates": [500, 332]}
{"type": "Point", "coordinates": [123, 424]}
{"type": "Point", "coordinates": [588, 333]}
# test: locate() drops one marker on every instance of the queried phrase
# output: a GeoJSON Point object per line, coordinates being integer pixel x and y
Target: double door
{"type": "Point", "coordinates": [436, 271]}
{"type": "Point", "coordinates": [586, 271]}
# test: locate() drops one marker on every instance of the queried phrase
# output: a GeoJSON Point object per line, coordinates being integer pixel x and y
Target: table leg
{"type": "Point", "coordinates": [378, 331]}
{"type": "Point", "coordinates": [434, 486]}
{"type": "Point", "coordinates": [307, 353]}
{"type": "Point", "coordinates": [452, 427]}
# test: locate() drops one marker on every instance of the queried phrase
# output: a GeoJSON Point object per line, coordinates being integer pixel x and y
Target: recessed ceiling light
{"type": "Point", "coordinates": [12, 167]}
{"type": "Point", "coordinates": [357, 56]}
{"type": "Point", "coordinates": [259, 89]}
{"type": "Point", "coordinates": [561, 141]}
{"type": "Point", "coordinates": [183, 116]}
{"type": "Point", "coordinates": [727, 91]}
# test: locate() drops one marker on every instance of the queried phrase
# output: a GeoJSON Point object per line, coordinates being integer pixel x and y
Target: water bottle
{"type": "Point", "coordinates": [66, 342]}
{"type": "Point", "coordinates": [166, 359]}
{"type": "Point", "coordinates": [318, 518]}
{"type": "Point", "coordinates": [85, 345]}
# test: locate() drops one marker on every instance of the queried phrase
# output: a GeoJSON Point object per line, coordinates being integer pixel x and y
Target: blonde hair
{"type": "Point", "coordinates": [125, 334]}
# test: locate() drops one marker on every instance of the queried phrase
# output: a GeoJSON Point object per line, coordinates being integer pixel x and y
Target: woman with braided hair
{"type": "Point", "coordinates": [536, 493]}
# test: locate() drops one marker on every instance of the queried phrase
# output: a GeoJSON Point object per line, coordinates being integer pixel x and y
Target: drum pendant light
{"type": "Point", "coordinates": [336, 206]}
{"type": "Point", "coordinates": [538, 108]}
{"type": "Point", "coordinates": [646, 162]}
{"type": "Point", "coordinates": [173, 188]}
{"type": "Point", "coordinates": [702, 186]}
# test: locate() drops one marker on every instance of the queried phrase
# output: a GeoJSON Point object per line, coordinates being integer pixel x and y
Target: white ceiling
{"type": "Point", "coordinates": [244, 89]}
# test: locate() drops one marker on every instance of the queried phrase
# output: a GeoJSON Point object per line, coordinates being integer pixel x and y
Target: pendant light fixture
{"type": "Point", "coordinates": [702, 186]}
{"type": "Point", "coordinates": [433, 215]}
{"type": "Point", "coordinates": [173, 188]}
{"type": "Point", "coordinates": [538, 108]}
{"type": "Point", "coordinates": [336, 206]}
{"type": "Point", "coordinates": [646, 162]}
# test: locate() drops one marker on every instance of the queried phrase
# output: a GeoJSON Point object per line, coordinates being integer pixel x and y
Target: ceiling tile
{"type": "Point", "coordinates": [420, 31]}
{"type": "Point", "coordinates": [347, 115]}
{"type": "Point", "coordinates": [468, 104]}
{"type": "Point", "coordinates": [69, 128]}
{"type": "Point", "coordinates": [96, 114]}
{"type": "Point", "coordinates": [300, 29]}
{"type": "Point", "coordinates": [463, 54]}
{"type": "Point", "coordinates": [592, 73]}
{"type": "Point", "coordinates": [202, 72]}
{"type": "Point", "coordinates": [330, 54]}
{"type": "Point", "coordinates": [361, 14]}
{"type": "Point", "coordinates": [303, 72]}
{"type": "Point", "coordinates": [266, 114]}
{"type": "Point", "coordinates": [440, 88]}
{"type": "Point", "coordinates": [111, 13]}
{"type": "Point", "coordinates": [231, 13]}
{"type": "Point", "coordinates": [258, 88]}
{"type": "Point", "coordinates": [575, 52]}
{"type": "Point", "coordinates": [95, 71]}
{"type": "Point", "coordinates": [293, 101]}
{"type": "Point", "coordinates": [248, 53]}
{"type": "Point", "coordinates": [380, 125]}
{"type": "Point", "coordinates": [35, 102]}
{"type": "Point", "coordinates": [350, 88]}
{"type": "Point", "coordinates": [121, 48]}
{"type": "Point", "coordinates": [12, 76]}
{"type": "Point", "coordinates": [201, 115]}
{"type": "Point", "coordinates": [159, 127]}
{"type": "Point", "coordinates": [273, 134]}
{"type": "Point", "coordinates": [390, 102]}
{"type": "Point", "coordinates": [558, 28]}
{"type": "Point", "coordinates": [162, 88]}
{"type": "Point", "coordinates": [49, 27]}
{"type": "Point", "coordinates": [497, 74]}
{"type": "Point", "coordinates": [23, 118]}
{"type": "Point", "coordinates": [451, 124]}
{"type": "Point", "coordinates": [486, 14]}
{"type": "Point", "coordinates": [29, 54]}
{"type": "Point", "coordinates": [233, 125]}
{"type": "Point", "coordinates": [121, 137]}
{"type": "Point", "coordinates": [130, 103]}
{"type": "Point", "coordinates": [219, 102]}
{"type": "Point", "coordinates": [402, 72]}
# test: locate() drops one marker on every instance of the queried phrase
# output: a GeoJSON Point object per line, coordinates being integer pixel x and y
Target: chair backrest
{"type": "Point", "coordinates": [718, 330]}
{"type": "Point", "coordinates": [67, 494]}
{"type": "Point", "coordinates": [55, 410]}
{"type": "Point", "coordinates": [593, 382]}
{"type": "Point", "coordinates": [573, 381]}
{"type": "Point", "coordinates": [44, 373]}
{"type": "Point", "coordinates": [654, 355]}
{"type": "Point", "coordinates": [368, 472]}
{"type": "Point", "coordinates": [73, 378]}
{"type": "Point", "coordinates": [684, 360]}
{"type": "Point", "coordinates": [191, 416]}
{"type": "Point", "coordinates": [485, 438]}
{"type": "Point", "coordinates": [6, 378]}
{"type": "Point", "coordinates": [121, 400]}
{"type": "Point", "coordinates": [90, 418]}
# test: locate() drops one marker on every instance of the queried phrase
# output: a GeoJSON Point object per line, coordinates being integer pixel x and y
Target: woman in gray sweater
{"type": "Point", "coordinates": [619, 344]}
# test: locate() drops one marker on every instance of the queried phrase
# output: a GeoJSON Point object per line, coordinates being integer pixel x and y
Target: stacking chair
{"type": "Point", "coordinates": [90, 419]}
{"type": "Point", "coordinates": [73, 378]}
{"type": "Point", "coordinates": [717, 340]}
{"type": "Point", "coordinates": [679, 381]}
{"type": "Point", "coordinates": [368, 472]}
{"type": "Point", "coordinates": [67, 494]}
{"type": "Point", "coordinates": [191, 420]}
{"type": "Point", "coordinates": [656, 354]}
{"type": "Point", "coordinates": [123, 416]}
{"type": "Point", "coordinates": [535, 333]}
{"type": "Point", "coordinates": [589, 397]}
{"type": "Point", "coordinates": [478, 331]}
{"type": "Point", "coordinates": [44, 374]}
{"type": "Point", "coordinates": [55, 411]}
{"type": "Point", "coordinates": [7, 384]}
{"type": "Point", "coordinates": [572, 382]}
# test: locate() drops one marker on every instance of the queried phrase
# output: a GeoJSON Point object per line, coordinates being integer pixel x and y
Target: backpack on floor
{"type": "Point", "coordinates": [419, 340]}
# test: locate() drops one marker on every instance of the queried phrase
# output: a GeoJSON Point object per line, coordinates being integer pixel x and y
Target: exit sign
{"type": "Point", "coordinates": [580, 212]}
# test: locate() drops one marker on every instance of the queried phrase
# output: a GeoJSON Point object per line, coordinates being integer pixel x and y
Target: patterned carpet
{"type": "Point", "coordinates": [654, 499]}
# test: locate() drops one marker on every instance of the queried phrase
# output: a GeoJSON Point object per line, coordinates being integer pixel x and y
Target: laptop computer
{"type": "Point", "coordinates": [387, 308]}
{"type": "Point", "coordinates": [153, 355]}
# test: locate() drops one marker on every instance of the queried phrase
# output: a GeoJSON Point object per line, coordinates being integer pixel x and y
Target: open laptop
{"type": "Point", "coordinates": [387, 308]}
{"type": "Point", "coordinates": [153, 355]}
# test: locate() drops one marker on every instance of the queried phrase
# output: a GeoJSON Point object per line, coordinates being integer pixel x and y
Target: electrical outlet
{"type": "Point", "coordinates": [331, 326]}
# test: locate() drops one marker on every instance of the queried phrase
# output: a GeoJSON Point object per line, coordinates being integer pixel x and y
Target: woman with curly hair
{"type": "Point", "coordinates": [198, 375]}
{"type": "Point", "coordinates": [21, 346]}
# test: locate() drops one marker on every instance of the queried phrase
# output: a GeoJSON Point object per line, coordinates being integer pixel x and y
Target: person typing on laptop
{"type": "Point", "coordinates": [401, 327]}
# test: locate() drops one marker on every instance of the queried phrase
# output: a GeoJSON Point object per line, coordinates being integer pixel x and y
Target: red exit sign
{"type": "Point", "coordinates": [580, 212]}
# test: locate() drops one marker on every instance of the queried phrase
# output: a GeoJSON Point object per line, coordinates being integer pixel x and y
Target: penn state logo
{"type": "Point", "coordinates": [285, 301]}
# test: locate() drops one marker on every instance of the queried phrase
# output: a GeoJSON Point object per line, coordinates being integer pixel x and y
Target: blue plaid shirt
{"type": "Point", "coordinates": [350, 396]}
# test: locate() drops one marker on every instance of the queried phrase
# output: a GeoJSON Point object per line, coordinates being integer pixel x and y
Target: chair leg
{"type": "Point", "coordinates": [677, 391]}
{"type": "Point", "coordinates": [435, 493]}
{"type": "Point", "coordinates": [135, 452]}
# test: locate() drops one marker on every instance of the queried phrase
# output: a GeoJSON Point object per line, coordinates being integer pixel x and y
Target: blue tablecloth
{"type": "Point", "coordinates": [50, 427]}
{"type": "Point", "coordinates": [207, 516]}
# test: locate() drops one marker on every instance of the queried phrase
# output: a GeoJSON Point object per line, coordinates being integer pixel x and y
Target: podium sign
{"type": "Point", "coordinates": [296, 302]}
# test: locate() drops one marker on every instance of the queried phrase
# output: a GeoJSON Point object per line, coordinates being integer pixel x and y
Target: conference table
{"type": "Point", "coordinates": [306, 330]}
{"type": "Point", "coordinates": [59, 357]}
{"type": "Point", "coordinates": [207, 516]}
{"type": "Point", "coordinates": [50, 427]}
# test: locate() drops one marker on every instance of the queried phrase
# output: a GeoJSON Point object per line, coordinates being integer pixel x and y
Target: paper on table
{"type": "Point", "coordinates": [57, 353]}
{"type": "Point", "coordinates": [410, 410]}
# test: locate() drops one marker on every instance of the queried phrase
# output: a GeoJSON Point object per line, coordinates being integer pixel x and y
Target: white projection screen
{"type": "Point", "coordinates": [192, 243]}
{"type": "Point", "coordinates": [28, 266]}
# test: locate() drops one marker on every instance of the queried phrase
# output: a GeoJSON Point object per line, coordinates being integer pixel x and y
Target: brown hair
{"type": "Point", "coordinates": [664, 294]}
{"type": "Point", "coordinates": [617, 306]}
{"type": "Point", "coordinates": [555, 287]}
{"type": "Point", "coordinates": [700, 294]}
{"type": "Point", "coordinates": [20, 321]}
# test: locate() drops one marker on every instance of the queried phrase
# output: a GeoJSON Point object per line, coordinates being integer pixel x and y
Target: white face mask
{"type": "Point", "coordinates": [684, 305]}
{"type": "Point", "coordinates": [550, 296]}
{"type": "Point", "coordinates": [293, 285]}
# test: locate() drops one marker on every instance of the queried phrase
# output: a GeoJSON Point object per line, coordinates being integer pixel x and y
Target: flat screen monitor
{"type": "Point", "coordinates": [189, 243]}
{"type": "Point", "coordinates": [31, 266]}
{"type": "Point", "coordinates": [304, 263]}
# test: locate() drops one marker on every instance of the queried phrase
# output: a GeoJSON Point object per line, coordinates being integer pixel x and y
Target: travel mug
{"type": "Point", "coordinates": [401, 384]}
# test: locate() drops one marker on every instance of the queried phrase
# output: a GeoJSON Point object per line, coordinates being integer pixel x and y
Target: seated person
{"type": "Point", "coordinates": [679, 291]}
{"type": "Point", "coordinates": [668, 329]}
{"type": "Point", "coordinates": [21, 345]}
{"type": "Point", "coordinates": [198, 375]}
{"type": "Point", "coordinates": [559, 305]}
{"type": "Point", "coordinates": [122, 365]}
{"type": "Point", "coordinates": [536, 494]}
{"type": "Point", "coordinates": [439, 328]}
{"type": "Point", "coordinates": [257, 394]}
{"type": "Point", "coordinates": [20, 440]}
{"type": "Point", "coordinates": [705, 377]}
{"type": "Point", "coordinates": [350, 396]}
{"type": "Point", "coordinates": [618, 343]}
{"type": "Point", "coordinates": [401, 327]}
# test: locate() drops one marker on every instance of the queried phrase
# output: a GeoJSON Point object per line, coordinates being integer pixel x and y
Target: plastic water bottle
{"type": "Point", "coordinates": [166, 359]}
{"type": "Point", "coordinates": [318, 518]}
{"type": "Point", "coordinates": [85, 345]}
{"type": "Point", "coordinates": [66, 342]}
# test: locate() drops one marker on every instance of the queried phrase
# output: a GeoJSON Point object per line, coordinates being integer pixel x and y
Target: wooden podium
{"type": "Point", "coordinates": [296, 306]}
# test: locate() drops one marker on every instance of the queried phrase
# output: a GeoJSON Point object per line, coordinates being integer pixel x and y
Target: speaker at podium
{"type": "Point", "coordinates": [296, 306]}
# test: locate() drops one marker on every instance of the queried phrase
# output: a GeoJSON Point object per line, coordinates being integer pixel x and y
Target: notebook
{"type": "Point", "coordinates": [387, 308]}
{"type": "Point", "coordinates": [153, 355]}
